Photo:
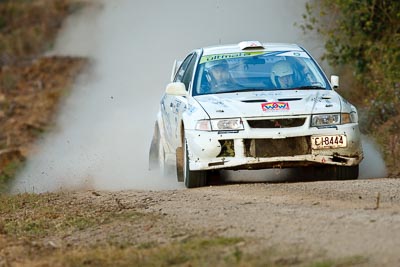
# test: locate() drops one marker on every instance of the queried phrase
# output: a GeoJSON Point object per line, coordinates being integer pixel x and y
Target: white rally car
{"type": "Point", "coordinates": [254, 105]}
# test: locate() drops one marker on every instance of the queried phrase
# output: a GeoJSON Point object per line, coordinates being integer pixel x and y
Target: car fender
{"type": "Point", "coordinates": [193, 113]}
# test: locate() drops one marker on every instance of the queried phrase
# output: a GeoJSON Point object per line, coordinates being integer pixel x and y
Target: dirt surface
{"type": "Point", "coordinates": [327, 219]}
{"type": "Point", "coordinates": [341, 218]}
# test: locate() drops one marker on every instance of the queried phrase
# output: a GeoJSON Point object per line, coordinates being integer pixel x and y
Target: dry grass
{"type": "Point", "coordinates": [27, 28]}
{"type": "Point", "coordinates": [36, 216]}
{"type": "Point", "coordinates": [29, 98]}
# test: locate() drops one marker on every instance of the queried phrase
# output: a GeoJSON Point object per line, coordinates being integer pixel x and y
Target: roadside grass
{"type": "Point", "coordinates": [214, 251]}
{"type": "Point", "coordinates": [8, 173]}
{"type": "Point", "coordinates": [33, 216]}
{"type": "Point", "coordinates": [27, 28]}
{"type": "Point", "coordinates": [344, 262]}
{"type": "Point", "coordinates": [195, 251]}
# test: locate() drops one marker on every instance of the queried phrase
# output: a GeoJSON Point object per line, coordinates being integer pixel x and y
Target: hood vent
{"type": "Point", "coordinates": [289, 99]}
{"type": "Point", "coordinates": [254, 101]}
{"type": "Point", "coordinates": [263, 100]}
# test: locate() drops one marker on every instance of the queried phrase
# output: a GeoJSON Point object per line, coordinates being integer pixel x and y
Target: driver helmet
{"type": "Point", "coordinates": [218, 64]}
{"type": "Point", "coordinates": [280, 69]}
{"type": "Point", "coordinates": [219, 70]}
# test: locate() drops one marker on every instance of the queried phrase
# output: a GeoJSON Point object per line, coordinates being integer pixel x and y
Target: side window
{"type": "Point", "coordinates": [182, 69]}
{"type": "Point", "coordinates": [187, 76]}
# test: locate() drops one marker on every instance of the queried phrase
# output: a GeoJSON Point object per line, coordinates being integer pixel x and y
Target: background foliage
{"type": "Point", "coordinates": [362, 42]}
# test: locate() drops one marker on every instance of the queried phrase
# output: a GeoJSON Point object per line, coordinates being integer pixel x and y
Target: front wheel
{"type": "Point", "coordinates": [192, 179]}
{"type": "Point", "coordinates": [336, 172]}
{"type": "Point", "coordinates": [346, 172]}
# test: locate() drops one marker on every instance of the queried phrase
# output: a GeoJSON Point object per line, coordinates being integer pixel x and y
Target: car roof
{"type": "Point", "coordinates": [234, 48]}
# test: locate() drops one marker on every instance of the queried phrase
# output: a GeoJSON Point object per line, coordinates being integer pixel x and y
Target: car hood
{"type": "Point", "coordinates": [273, 103]}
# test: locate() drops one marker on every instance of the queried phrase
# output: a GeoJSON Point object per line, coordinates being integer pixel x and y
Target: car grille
{"type": "Point", "coordinates": [227, 148]}
{"type": "Point", "coordinates": [278, 147]}
{"type": "Point", "coordinates": [277, 123]}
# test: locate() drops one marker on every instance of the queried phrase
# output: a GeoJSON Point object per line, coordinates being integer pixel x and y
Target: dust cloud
{"type": "Point", "coordinates": [373, 165]}
{"type": "Point", "coordinates": [104, 127]}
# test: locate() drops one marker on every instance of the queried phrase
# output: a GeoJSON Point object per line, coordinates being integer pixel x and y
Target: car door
{"type": "Point", "coordinates": [173, 106]}
{"type": "Point", "coordinates": [180, 104]}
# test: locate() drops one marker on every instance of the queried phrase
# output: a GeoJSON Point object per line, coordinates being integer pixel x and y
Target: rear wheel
{"type": "Point", "coordinates": [192, 179]}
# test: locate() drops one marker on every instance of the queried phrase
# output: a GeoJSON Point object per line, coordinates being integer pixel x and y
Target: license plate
{"type": "Point", "coordinates": [328, 141]}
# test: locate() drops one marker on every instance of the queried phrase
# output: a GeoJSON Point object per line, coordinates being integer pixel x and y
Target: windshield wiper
{"type": "Point", "coordinates": [246, 90]}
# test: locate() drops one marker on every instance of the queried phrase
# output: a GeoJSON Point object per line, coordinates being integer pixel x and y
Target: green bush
{"type": "Point", "coordinates": [363, 38]}
{"type": "Point", "coordinates": [364, 35]}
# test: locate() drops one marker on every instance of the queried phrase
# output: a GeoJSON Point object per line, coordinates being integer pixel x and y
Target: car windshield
{"type": "Point", "coordinates": [257, 71]}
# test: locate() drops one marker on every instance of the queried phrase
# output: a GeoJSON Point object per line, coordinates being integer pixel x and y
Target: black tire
{"type": "Point", "coordinates": [334, 172]}
{"type": "Point", "coordinates": [192, 179]}
{"type": "Point", "coordinates": [346, 172]}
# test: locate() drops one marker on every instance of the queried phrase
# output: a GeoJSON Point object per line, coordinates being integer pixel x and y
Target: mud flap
{"type": "Point", "coordinates": [179, 164]}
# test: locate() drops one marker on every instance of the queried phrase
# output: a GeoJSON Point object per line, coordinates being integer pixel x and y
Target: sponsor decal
{"type": "Point", "coordinates": [191, 109]}
{"type": "Point", "coordinates": [294, 54]}
{"type": "Point", "coordinates": [275, 106]}
{"type": "Point", "coordinates": [215, 57]}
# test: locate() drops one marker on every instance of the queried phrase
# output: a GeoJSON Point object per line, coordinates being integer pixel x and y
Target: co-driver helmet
{"type": "Point", "coordinates": [281, 68]}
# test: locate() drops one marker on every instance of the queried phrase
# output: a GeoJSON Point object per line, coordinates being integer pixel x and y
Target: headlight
{"type": "Point", "coordinates": [325, 119]}
{"type": "Point", "coordinates": [332, 119]}
{"type": "Point", "coordinates": [220, 125]}
{"type": "Point", "coordinates": [227, 124]}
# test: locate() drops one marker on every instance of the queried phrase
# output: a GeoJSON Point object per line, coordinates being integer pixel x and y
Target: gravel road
{"type": "Point", "coordinates": [336, 218]}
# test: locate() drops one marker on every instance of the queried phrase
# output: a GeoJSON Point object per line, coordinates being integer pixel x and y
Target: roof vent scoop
{"type": "Point", "coordinates": [250, 45]}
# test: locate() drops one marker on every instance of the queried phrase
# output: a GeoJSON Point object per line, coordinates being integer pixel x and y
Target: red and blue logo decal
{"type": "Point", "coordinates": [275, 106]}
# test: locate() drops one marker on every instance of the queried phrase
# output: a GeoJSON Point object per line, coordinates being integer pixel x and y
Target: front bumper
{"type": "Point", "coordinates": [280, 148]}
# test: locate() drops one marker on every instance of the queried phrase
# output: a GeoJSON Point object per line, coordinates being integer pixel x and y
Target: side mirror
{"type": "Point", "coordinates": [177, 89]}
{"type": "Point", "coordinates": [335, 81]}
